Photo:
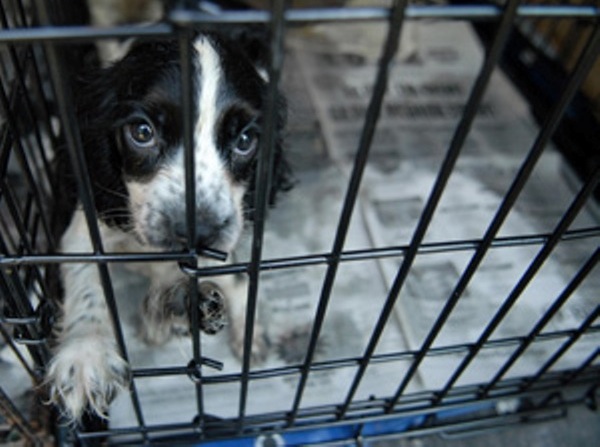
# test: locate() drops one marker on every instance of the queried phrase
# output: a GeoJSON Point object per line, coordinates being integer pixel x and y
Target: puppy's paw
{"type": "Point", "coordinates": [168, 311]}
{"type": "Point", "coordinates": [260, 342]}
{"type": "Point", "coordinates": [86, 374]}
{"type": "Point", "coordinates": [211, 307]}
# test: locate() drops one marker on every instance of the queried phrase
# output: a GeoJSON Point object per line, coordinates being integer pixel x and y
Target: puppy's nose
{"type": "Point", "coordinates": [207, 233]}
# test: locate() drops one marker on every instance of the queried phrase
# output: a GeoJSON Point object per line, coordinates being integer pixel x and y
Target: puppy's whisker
{"type": "Point", "coordinates": [124, 216]}
{"type": "Point", "coordinates": [113, 215]}
{"type": "Point", "coordinates": [111, 191]}
{"type": "Point", "coordinates": [115, 211]}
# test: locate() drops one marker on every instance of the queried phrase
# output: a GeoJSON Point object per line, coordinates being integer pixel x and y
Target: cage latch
{"type": "Point", "coordinates": [32, 329]}
{"type": "Point", "coordinates": [194, 370]}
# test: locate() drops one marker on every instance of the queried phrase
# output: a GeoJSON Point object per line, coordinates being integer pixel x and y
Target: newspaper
{"type": "Point", "coordinates": [429, 84]}
{"type": "Point", "coordinates": [425, 99]}
{"type": "Point", "coordinates": [328, 81]}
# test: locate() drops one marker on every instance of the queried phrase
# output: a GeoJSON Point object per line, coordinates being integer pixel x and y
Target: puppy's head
{"type": "Point", "coordinates": [132, 123]}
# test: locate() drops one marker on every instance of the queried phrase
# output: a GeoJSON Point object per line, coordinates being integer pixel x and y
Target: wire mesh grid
{"type": "Point", "coordinates": [37, 112]}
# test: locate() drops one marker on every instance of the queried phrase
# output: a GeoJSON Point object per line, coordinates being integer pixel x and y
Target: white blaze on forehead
{"type": "Point", "coordinates": [158, 207]}
{"type": "Point", "coordinates": [210, 75]}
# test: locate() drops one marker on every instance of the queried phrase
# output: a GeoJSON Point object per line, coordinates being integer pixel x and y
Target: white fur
{"type": "Point", "coordinates": [87, 367]}
{"type": "Point", "coordinates": [207, 101]}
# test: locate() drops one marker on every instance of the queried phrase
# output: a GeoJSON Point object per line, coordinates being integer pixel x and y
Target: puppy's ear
{"type": "Point", "coordinates": [253, 40]}
{"type": "Point", "coordinates": [97, 105]}
{"type": "Point", "coordinates": [282, 178]}
{"type": "Point", "coordinates": [282, 175]}
{"type": "Point", "coordinates": [95, 94]}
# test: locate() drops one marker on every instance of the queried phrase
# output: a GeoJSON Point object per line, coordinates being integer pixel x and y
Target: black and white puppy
{"type": "Point", "coordinates": [130, 119]}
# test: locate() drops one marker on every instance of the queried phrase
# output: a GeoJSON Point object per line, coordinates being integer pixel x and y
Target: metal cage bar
{"type": "Point", "coordinates": [190, 181]}
{"type": "Point", "coordinates": [572, 339]}
{"type": "Point", "coordinates": [443, 176]}
{"type": "Point", "coordinates": [294, 17]}
{"type": "Point", "coordinates": [36, 193]}
{"type": "Point", "coordinates": [389, 50]}
{"type": "Point", "coordinates": [427, 248]}
{"type": "Point", "coordinates": [9, 341]}
{"type": "Point", "coordinates": [263, 175]}
{"type": "Point", "coordinates": [582, 273]}
{"type": "Point", "coordinates": [75, 151]}
{"type": "Point", "coordinates": [534, 267]}
{"type": "Point", "coordinates": [13, 415]}
{"type": "Point", "coordinates": [509, 200]}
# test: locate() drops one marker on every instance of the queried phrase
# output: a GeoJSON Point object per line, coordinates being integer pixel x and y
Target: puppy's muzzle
{"type": "Point", "coordinates": [209, 233]}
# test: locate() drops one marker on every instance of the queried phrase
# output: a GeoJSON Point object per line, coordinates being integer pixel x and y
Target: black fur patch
{"type": "Point", "coordinates": [146, 87]}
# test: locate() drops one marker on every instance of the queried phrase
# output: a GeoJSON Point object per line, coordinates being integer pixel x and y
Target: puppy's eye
{"type": "Point", "coordinates": [247, 141]}
{"type": "Point", "coordinates": [140, 134]}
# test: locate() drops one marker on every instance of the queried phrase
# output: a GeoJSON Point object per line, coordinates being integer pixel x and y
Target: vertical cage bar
{"type": "Point", "coordinates": [263, 181]}
{"type": "Point", "coordinates": [576, 335]}
{"type": "Point", "coordinates": [7, 242]}
{"type": "Point", "coordinates": [74, 147]}
{"type": "Point", "coordinates": [16, 299]}
{"type": "Point", "coordinates": [37, 82]}
{"type": "Point", "coordinates": [22, 360]}
{"type": "Point", "coordinates": [20, 66]}
{"type": "Point", "coordinates": [531, 271]}
{"type": "Point", "coordinates": [581, 369]}
{"type": "Point", "coordinates": [504, 209]}
{"type": "Point", "coordinates": [446, 170]}
{"type": "Point", "coordinates": [548, 315]}
{"type": "Point", "coordinates": [71, 133]}
{"type": "Point", "coordinates": [17, 218]}
{"type": "Point", "coordinates": [20, 153]}
{"type": "Point", "coordinates": [26, 245]}
{"type": "Point", "coordinates": [390, 48]}
{"type": "Point", "coordinates": [187, 93]}
{"type": "Point", "coordinates": [14, 416]}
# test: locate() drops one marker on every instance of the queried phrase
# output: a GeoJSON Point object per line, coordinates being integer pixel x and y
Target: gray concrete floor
{"type": "Point", "coordinates": [581, 428]}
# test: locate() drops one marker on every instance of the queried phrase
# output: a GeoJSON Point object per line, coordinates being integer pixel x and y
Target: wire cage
{"type": "Point", "coordinates": [471, 352]}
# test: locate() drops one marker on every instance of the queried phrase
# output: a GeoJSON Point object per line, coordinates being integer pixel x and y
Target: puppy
{"type": "Point", "coordinates": [130, 119]}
